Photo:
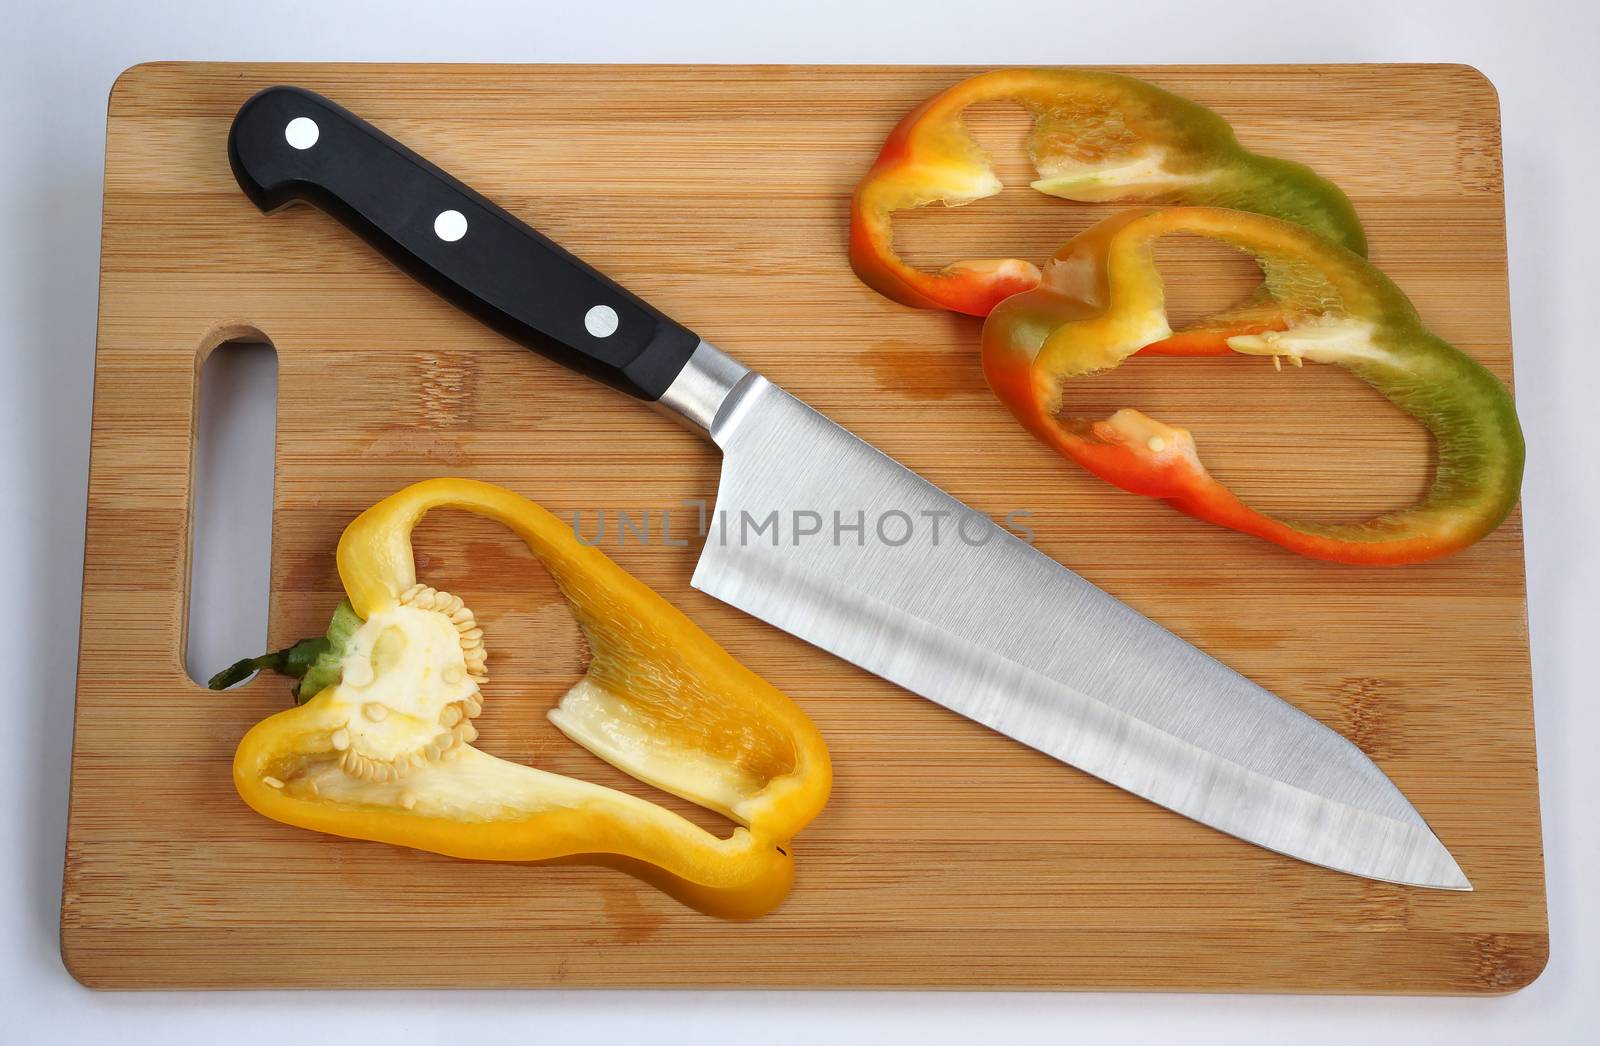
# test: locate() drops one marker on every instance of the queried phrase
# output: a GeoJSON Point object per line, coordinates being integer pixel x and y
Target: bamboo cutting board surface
{"type": "Point", "coordinates": [948, 856]}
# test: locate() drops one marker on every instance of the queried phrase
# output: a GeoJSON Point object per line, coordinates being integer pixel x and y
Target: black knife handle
{"type": "Point", "coordinates": [290, 144]}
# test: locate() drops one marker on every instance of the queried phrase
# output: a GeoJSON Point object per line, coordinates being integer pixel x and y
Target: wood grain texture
{"type": "Point", "coordinates": [949, 856]}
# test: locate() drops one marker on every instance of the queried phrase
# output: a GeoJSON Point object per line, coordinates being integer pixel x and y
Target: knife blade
{"type": "Point", "coordinates": [817, 532]}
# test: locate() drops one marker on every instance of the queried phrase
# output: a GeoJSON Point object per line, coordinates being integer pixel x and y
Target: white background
{"type": "Point", "coordinates": [57, 61]}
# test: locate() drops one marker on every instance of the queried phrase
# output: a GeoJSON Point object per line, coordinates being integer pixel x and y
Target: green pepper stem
{"type": "Point", "coordinates": [293, 661]}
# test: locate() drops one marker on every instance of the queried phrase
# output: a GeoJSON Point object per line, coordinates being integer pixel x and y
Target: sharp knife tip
{"type": "Point", "coordinates": [1457, 885]}
{"type": "Point", "coordinates": [1447, 874]}
{"type": "Point", "coordinates": [1425, 864]}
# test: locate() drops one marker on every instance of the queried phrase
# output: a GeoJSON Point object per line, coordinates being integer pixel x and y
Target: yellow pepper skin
{"type": "Point", "coordinates": [384, 753]}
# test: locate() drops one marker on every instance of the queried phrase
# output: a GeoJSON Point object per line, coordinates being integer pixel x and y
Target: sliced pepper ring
{"type": "Point", "coordinates": [384, 752]}
{"type": "Point", "coordinates": [1102, 300]}
{"type": "Point", "coordinates": [1097, 137]}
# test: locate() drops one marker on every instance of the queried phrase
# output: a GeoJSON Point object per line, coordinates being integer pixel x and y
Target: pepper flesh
{"type": "Point", "coordinates": [384, 753]}
{"type": "Point", "coordinates": [1097, 137]}
{"type": "Point", "coordinates": [1102, 300]}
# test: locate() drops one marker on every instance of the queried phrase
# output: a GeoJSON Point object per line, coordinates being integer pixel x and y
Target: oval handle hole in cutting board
{"type": "Point", "coordinates": [230, 561]}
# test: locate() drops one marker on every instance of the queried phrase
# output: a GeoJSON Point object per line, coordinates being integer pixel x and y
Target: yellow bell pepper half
{"type": "Point", "coordinates": [384, 751]}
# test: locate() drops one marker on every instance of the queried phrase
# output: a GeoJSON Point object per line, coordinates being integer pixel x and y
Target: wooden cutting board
{"type": "Point", "coordinates": [949, 856]}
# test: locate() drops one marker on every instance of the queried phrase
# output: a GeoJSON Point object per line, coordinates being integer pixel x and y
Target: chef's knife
{"type": "Point", "coordinates": [822, 535]}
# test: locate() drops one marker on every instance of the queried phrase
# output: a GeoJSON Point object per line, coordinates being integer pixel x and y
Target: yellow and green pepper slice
{"type": "Point", "coordinates": [1102, 300]}
{"type": "Point", "coordinates": [1097, 137]}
